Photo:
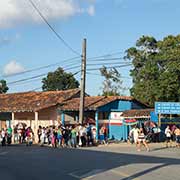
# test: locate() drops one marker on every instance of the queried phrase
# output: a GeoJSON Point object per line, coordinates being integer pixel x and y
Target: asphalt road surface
{"type": "Point", "coordinates": [112, 162]}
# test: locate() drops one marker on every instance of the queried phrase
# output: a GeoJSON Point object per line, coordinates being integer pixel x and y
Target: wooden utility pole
{"type": "Point", "coordinates": [83, 82]}
{"type": "Point", "coordinates": [159, 120]}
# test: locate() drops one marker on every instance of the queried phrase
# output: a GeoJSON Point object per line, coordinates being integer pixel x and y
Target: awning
{"type": "Point", "coordinates": [130, 122]}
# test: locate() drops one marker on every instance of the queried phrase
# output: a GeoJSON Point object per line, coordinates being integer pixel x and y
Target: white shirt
{"type": "Point", "coordinates": [135, 132]}
{"type": "Point", "coordinates": [168, 132]}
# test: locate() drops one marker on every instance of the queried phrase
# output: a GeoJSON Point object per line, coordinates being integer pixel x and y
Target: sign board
{"type": "Point", "coordinates": [116, 115]}
{"type": "Point", "coordinates": [116, 118]}
{"type": "Point", "coordinates": [167, 107]}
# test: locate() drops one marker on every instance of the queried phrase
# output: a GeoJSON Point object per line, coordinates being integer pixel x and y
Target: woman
{"type": "Point", "coordinates": [142, 140]}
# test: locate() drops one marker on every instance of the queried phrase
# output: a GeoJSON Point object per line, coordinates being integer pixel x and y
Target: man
{"type": "Point", "coordinates": [9, 135]}
{"type": "Point", "coordinates": [177, 134]}
{"type": "Point", "coordinates": [3, 135]}
{"type": "Point", "coordinates": [135, 133]}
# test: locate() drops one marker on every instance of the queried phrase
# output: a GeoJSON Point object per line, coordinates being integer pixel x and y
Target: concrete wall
{"type": "Point", "coordinates": [46, 117]}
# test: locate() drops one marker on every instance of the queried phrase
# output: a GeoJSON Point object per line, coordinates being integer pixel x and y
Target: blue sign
{"type": "Point", "coordinates": [167, 107]}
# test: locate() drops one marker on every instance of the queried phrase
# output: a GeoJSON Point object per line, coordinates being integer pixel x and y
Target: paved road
{"type": "Point", "coordinates": [121, 162]}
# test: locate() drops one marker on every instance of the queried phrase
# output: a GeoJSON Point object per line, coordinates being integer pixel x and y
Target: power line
{"type": "Point", "coordinates": [110, 63]}
{"type": "Point", "coordinates": [36, 89]}
{"type": "Point", "coordinates": [39, 68]}
{"type": "Point", "coordinates": [55, 64]}
{"type": "Point", "coordinates": [124, 77]}
{"type": "Point", "coordinates": [66, 68]}
{"type": "Point", "coordinates": [25, 79]}
{"type": "Point", "coordinates": [109, 67]}
{"type": "Point", "coordinates": [37, 76]}
{"type": "Point", "coordinates": [105, 55]}
{"type": "Point", "coordinates": [106, 59]}
{"type": "Point", "coordinates": [41, 86]}
{"type": "Point", "coordinates": [22, 81]}
{"type": "Point", "coordinates": [26, 82]}
{"type": "Point", "coordinates": [52, 29]}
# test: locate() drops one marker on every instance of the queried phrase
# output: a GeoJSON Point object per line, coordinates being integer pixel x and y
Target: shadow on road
{"type": "Point", "coordinates": [35, 163]}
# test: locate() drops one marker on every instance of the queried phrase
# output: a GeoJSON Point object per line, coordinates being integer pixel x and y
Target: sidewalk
{"type": "Point", "coordinates": [156, 149]}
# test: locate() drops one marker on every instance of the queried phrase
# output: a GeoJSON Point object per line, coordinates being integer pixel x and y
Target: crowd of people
{"type": "Point", "coordinates": [83, 135]}
{"type": "Point", "coordinates": [172, 134]}
{"type": "Point", "coordinates": [140, 136]}
{"type": "Point", "coordinates": [67, 136]}
{"type": "Point", "coordinates": [55, 136]}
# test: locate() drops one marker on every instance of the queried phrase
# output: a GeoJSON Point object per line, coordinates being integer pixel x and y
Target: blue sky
{"type": "Point", "coordinates": [109, 26]}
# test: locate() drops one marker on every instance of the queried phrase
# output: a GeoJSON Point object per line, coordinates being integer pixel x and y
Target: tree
{"type": "Point", "coordinates": [156, 71]}
{"type": "Point", "coordinates": [112, 84]}
{"type": "Point", "coordinates": [59, 80]}
{"type": "Point", "coordinates": [3, 87]}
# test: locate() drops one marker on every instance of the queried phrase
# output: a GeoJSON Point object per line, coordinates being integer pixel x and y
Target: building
{"type": "Point", "coordinates": [55, 107]}
{"type": "Point", "coordinates": [101, 110]}
{"type": "Point", "coordinates": [33, 108]}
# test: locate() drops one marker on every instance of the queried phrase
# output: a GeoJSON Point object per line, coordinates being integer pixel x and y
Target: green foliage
{"type": "Point", "coordinates": [112, 85]}
{"type": "Point", "coordinates": [3, 87]}
{"type": "Point", "coordinates": [156, 71]}
{"type": "Point", "coordinates": [59, 80]}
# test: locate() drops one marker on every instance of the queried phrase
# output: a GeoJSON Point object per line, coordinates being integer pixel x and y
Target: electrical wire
{"type": "Point", "coordinates": [29, 81]}
{"type": "Point", "coordinates": [110, 63]}
{"type": "Point", "coordinates": [37, 76]}
{"type": "Point", "coordinates": [106, 59]}
{"type": "Point", "coordinates": [40, 68]}
{"type": "Point", "coordinates": [55, 64]}
{"type": "Point", "coordinates": [52, 29]}
{"type": "Point", "coordinates": [109, 67]}
{"type": "Point", "coordinates": [35, 89]}
{"type": "Point", "coordinates": [41, 87]}
{"type": "Point", "coordinates": [105, 55]}
{"type": "Point", "coordinates": [70, 68]}
{"type": "Point", "coordinates": [124, 77]}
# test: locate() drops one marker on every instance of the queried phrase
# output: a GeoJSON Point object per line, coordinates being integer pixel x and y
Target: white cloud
{"type": "Point", "coordinates": [17, 11]}
{"type": "Point", "coordinates": [91, 10]}
{"type": "Point", "coordinates": [13, 67]}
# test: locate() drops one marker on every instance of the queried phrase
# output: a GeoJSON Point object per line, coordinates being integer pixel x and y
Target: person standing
{"type": "Point", "coordinates": [168, 134]}
{"type": "Point", "coordinates": [55, 134]}
{"type": "Point", "coordinates": [9, 135]}
{"type": "Point", "coordinates": [142, 140]}
{"type": "Point", "coordinates": [3, 136]}
{"type": "Point", "coordinates": [89, 135]}
{"type": "Point", "coordinates": [177, 134]}
{"type": "Point", "coordinates": [39, 132]}
{"type": "Point", "coordinates": [43, 136]}
{"type": "Point", "coordinates": [15, 132]}
{"type": "Point", "coordinates": [135, 133]}
{"type": "Point", "coordinates": [101, 134]}
{"type": "Point", "coordinates": [73, 137]}
{"type": "Point", "coordinates": [59, 136]}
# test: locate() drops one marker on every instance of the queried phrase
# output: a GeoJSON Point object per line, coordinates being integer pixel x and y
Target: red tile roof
{"type": "Point", "coordinates": [34, 101]}
{"type": "Point", "coordinates": [134, 113]}
{"type": "Point", "coordinates": [92, 102]}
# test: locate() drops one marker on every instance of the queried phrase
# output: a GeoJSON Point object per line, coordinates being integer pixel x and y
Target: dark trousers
{"type": "Point", "coordinates": [3, 141]}
{"type": "Point", "coordinates": [83, 140]}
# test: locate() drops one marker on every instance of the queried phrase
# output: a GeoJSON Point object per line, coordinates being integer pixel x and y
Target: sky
{"type": "Point", "coordinates": [110, 27]}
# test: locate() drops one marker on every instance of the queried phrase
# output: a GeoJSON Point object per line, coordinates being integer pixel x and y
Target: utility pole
{"type": "Point", "coordinates": [83, 82]}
